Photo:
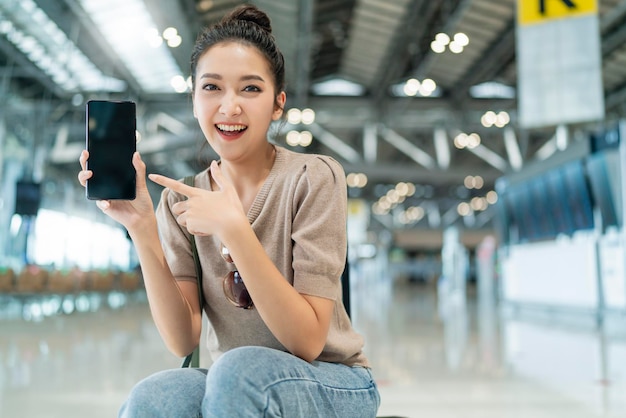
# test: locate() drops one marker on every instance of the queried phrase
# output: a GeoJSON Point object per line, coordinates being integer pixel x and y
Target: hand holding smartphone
{"type": "Point", "coordinates": [111, 142]}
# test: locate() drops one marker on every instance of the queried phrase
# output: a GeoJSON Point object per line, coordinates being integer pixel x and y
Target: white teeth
{"type": "Point", "coordinates": [230, 128]}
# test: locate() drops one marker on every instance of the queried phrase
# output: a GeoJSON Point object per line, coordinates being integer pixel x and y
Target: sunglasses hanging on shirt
{"type": "Point", "coordinates": [234, 287]}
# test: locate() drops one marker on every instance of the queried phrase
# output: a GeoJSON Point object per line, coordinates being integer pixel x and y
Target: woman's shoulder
{"type": "Point", "coordinates": [308, 162]}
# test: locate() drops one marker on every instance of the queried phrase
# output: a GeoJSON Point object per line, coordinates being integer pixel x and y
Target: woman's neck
{"type": "Point", "coordinates": [248, 176]}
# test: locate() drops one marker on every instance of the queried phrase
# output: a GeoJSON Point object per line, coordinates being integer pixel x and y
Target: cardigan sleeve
{"type": "Point", "coordinates": [319, 228]}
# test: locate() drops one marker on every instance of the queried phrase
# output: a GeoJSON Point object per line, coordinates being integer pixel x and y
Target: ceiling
{"type": "Point", "coordinates": [373, 44]}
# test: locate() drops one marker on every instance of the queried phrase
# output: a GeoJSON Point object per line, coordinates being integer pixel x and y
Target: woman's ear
{"type": "Point", "coordinates": [279, 105]}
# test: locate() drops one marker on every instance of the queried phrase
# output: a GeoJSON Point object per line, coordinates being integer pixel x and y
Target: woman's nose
{"type": "Point", "coordinates": [230, 105]}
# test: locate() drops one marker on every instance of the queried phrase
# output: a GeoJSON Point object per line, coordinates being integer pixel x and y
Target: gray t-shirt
{"type": "Point", "coordinates": [299, 216]}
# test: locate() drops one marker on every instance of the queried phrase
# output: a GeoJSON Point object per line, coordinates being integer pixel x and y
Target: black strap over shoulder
{"type": "Point", "coordinates": [193, 359]}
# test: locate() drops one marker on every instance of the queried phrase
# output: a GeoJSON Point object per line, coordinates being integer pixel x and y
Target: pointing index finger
{"type": "Point", "coordinates": [172, 184]}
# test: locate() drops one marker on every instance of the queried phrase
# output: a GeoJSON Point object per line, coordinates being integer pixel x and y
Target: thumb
{"type": "Point", "coordinates": [140, 167]}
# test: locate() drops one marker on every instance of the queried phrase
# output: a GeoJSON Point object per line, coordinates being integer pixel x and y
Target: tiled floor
{"type": "Point", "coordinates": [433, 357]}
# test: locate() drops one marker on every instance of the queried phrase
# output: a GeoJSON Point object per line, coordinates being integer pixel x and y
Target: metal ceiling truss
{"type": "Point", "coordinates": [371, 42]}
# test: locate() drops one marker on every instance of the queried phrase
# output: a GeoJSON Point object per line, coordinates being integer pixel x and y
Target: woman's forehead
{"type": "Point", "coordinates": [233, 55]}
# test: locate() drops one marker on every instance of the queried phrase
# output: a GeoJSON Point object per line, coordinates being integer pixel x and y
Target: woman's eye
{"type": "Point", "coordinates": [251, 89]}
{"type": "Point", "coordinates": [209, 87]}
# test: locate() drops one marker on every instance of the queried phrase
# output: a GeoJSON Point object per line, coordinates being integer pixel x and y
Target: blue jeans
{"type": "Point", "coordinates": [256, 382]}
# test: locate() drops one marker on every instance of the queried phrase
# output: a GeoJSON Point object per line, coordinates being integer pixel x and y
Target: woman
{"type": "Point", "coordinates": [275, 217]}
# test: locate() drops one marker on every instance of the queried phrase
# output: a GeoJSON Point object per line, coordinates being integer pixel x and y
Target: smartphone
{"type": "Point", "coordinates": [111, 142]}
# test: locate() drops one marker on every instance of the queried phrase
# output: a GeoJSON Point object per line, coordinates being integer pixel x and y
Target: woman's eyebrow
{"type": "Point", "coordinates": [243, 78]}
{"type": "Point", "coordinates": [211, 75]}
{"type": "Point", "coordinates": [252, 77]}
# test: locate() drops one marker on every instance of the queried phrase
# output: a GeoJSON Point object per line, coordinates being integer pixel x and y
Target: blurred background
{"type": "Point", "coordinates": [482, 143]}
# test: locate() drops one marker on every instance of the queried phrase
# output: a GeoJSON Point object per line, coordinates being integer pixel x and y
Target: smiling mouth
{"type": "Point", "coordinates": [230, 129]}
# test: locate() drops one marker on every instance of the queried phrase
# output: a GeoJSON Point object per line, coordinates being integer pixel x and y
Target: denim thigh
{"type": "Point", "coordinates": [175, 393]}
{"type": "Point", "coordinates": [263, 382]}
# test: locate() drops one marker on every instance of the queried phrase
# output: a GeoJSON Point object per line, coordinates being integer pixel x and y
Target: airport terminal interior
{"type": "Point", "coordinates": [482, 146]}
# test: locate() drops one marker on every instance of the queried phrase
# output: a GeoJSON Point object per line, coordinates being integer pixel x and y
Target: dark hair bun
{"type": "Point", "coordinates": [252, 14]}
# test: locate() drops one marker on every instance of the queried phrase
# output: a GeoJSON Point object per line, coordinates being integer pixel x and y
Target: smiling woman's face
{"type": "Point", "coordinates": [234, 99]}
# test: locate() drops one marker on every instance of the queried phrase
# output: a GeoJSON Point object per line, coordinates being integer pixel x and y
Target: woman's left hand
{"type": "Point", "coordinates": [205, 212]}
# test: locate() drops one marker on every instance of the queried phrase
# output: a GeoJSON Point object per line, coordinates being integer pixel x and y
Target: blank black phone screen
{"type": "Point", "coordinates": [111, 142]}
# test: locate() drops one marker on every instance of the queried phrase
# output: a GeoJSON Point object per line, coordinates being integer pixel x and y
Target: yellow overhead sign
{"type": "Point", "coordinates": [539, 11]}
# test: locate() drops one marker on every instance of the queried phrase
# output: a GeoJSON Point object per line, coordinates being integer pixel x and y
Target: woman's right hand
{"type": "Point", "coordinates": [130, 213]}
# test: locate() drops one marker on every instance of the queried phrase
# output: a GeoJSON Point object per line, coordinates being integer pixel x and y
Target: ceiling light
{"type": "Point", "coordinates": [308, 116]}
{"type": "Point", "coordinates": [492, 90]}
{"type": "Point", "coordinates": [437, 47]}
{"type": "Point", "coordinates": [488, 119]}
{"type": "Point", "coordinates": [293, 138]}
{"type": "Point", "coordinates": [172, 37]}
{"type": "Point", "coordinates": [402, 188]}
{"type": "Point", "coordinates": [170, 33]}
{"type": "Point", "coordinates": [428, 85]}
{"type": "Point", "coordinates": [473, 140]}
{"type": "Point", "coordinates": [306, 138]}
{"type": "Point", "coordinates": [393, 196]}
{"type": "Point", "coordinates": [122, 23]}
{"type": "Point", "coordinates": [32, 32]}
{"type": "Point", "coordinates": [303, 139]}
{"type": "Point", "coordinates": [461, 141]}
{"type": "Point", "coordinates": [442, 39]}
{"type": "Point", "coordinates": [204, 6]}
{"type": "Point", "coordinates": [502, 119]}
{"type": "Point", "coordinates": [379, 208]}
{"type": "Point", "coordinates": [409, 91]}
{"type": "Point", "coordinates": [294, 116]}
{"type": "Point", "coordinates": [179, 83]}
{"type": "Point", "coordinates": [415, 213]}
{"type": "Point", "coordinates": [356, 180]}
{"type": "Point", "coordinates": [412, 87]}
{"type": "Point", "coordinates": [463, 209]}
{"type": "Point", "coordinates": [464, 140]}
{"type": "Point", "coordinates": [455, 47]}
{"type": "Point", "coordinates": [337, 87]}
{"type": "Point", "coordinates": [478, 203]}
{"type": "Point", "coordinates": [174, 41]}
{"type": "Point", "coordinates": [461, 39]}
